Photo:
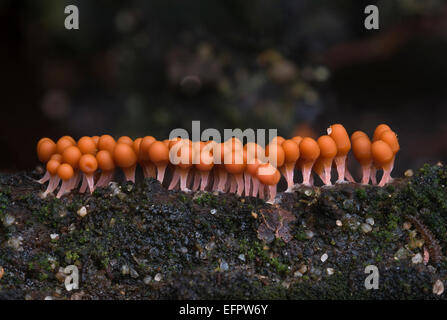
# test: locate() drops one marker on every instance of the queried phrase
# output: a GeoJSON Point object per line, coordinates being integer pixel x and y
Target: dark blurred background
{"type": "Point", "coordinates": [142, 67]}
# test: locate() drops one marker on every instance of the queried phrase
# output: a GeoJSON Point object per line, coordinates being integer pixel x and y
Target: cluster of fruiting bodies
{"type": "Point", "coordinates": [249, 169]}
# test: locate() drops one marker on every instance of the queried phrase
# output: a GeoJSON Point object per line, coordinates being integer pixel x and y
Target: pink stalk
{"type": "Point", "coordinates": [321, 175]}
{"type": "Point", "coordinates": [326, 178]}
{"type": "Point", "coordinates": [45, 178]}
{"type": "Point", "coordinates": [349, 176]}
{"type": "Point", "coordinates": [261, 190]}
{"type": "Point", "coordinates": [183, 178]}
{"type": "Point", "coordinates": [223, 175]}
{"type": "Point", "coordinates": [288, 174]}
{"type": "Point", "coordinates": [366, 173]}
{"type": "Point", "coordinates": [67, 185]}
{"type": "Point", "coordinates": [255, 183]}
{"type": "Point", "coordinates": [233, 184]}
{"type": "Point", "coordinates": [197, 179]}
{"type": "Point", "coordinates": [247, 180]}
{"type": "Point", "coordinates": [190, 178]}
{"type": "Point", "coordinates": [52, 185]}
{"type": "Point", "coordinates": [272, 194]}
{"type": "Point", "coordinates": [391, 168]}
{"type": "Point", "coordinates": [240, 183]}
{"type": "Point", "coordinates": [306, 171]}
{"type": "Point", "coordinates": [175, 179]}
{"type": "Point", "coordinates": [129, 173]}
{"type": "Point", "coordinates": [227, 184]}
{"type": "Point", "coordinates": [215, 178]}
{"type": "Point", "coordinates": [104, 179]}
{"type": "Point", "coordinates": [340, 162]}
{"type": "Point", "coordinates": [204, 179]}
{"type": "Point", "coordinates": [161, 168]}
{"type": "Point", "coordinates": [90, 182]}
{"type": "Point", "coordinates": [148, 169]}
{"type": "Point", "coordinates": [373, 174]}
{"type": "Point", "coordinates": [84, 185]}
{"type": "Point", "coordinates": [73, 182]}
{"type": "Point", "coordinates": [385, 178]}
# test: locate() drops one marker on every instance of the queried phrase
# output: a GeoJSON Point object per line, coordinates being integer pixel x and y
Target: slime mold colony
{"type": "Point", "coordinates": [234, 167]}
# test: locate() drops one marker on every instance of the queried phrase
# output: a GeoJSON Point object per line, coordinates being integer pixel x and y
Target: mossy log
{"type": "Point", "coordinates": [144, 242]}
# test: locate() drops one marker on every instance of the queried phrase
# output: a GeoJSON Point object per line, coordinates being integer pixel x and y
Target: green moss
{"type": "Point", "coordinates": [206, 198]}
{"type": "Point", "coordinates": [393, 221]}
{"type": "Point", "coordinates": [105, 262]}
{"type": "Point", "coordinates": [301, 236]}
{"type": "Point", "coordinates": [71, 256]}
{"type": "Point", "coordinates": [183, 198]}
{"type": "Point", "coordinates": [280, 267]}
{"type": "Point", "coordinates": [254, 250]}
{"type": "Point", "coordinates": [384, 236]}
{"type": "Point", "coordinates": [43, 276]}
{"type": "Point", "coordinates": [361, 194]}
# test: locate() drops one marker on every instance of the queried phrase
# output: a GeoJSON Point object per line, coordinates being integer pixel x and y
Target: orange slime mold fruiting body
{"type": "Point", "coordinates": [328, 150]}
{"type": "Point", "coordinates": [341, 138]}
{"type": "Point", "coordinates": [378, 131]}
{"type": "Point", "coordinates": [159, 155]}
{"type": "Point", "coordinates": [292, 154]}
{"type": "Point", "coordinates": [96, 140]}
{"type": "Point", "coordinates": [87, 145]}
{"type": "Point", "coordinates": [125, 140]}
{"type": "Point", "coordinates": [185, 164]}
{"type": "Point", "coordinates": [269, 176]}
{"type": "Point", "coordinates": [63, 143]}
{"type": "Point", "coordinates": [205, 165]}
{"type": "Point", "coordinates": [107, 166]}
{"type": "Point", "coordinates": [253, 154]}
{"type": "Point", "coordinates": [219, 160]}
{"type": "Point", "coordinates": [136, 147]}
{"type": "Point", "coordinates": [182, 153]}
{"type": "Point", "coordinates": [361, 147]}
{"type": "Point", "coordinates": [318, 168]}
{"type": "Point", "coordinates": [235, 168]}
{"type": "Point", "coordinates": [125, 158]}
{"type": "Point", "coordinates": [88, 165]}
{"type": "Point", "coordinates": [251, 171]}
{"type": "Point", "coordinates": [52, 167]}
{"type": "Point", "coordinates": [143, 156]}
{"type": "Point", "coordinates": [390, 138]}
{"type": "Point", "coordinates": [309, 153]}
{"type": "Point", "coordinates": [107, 142]}
{"type": "Point", "coordinates": [66, 173]}
{"type": "Point", "coordinates": [383, 156]}
{"type": "Point", "coordinates": [278, 140]}
{"type": "Point", "coordinates": [275, 154]}
{"type": "Point", "coordinates": [71, 156]}
{"type": "Point", "coordinates": [46, 149]}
